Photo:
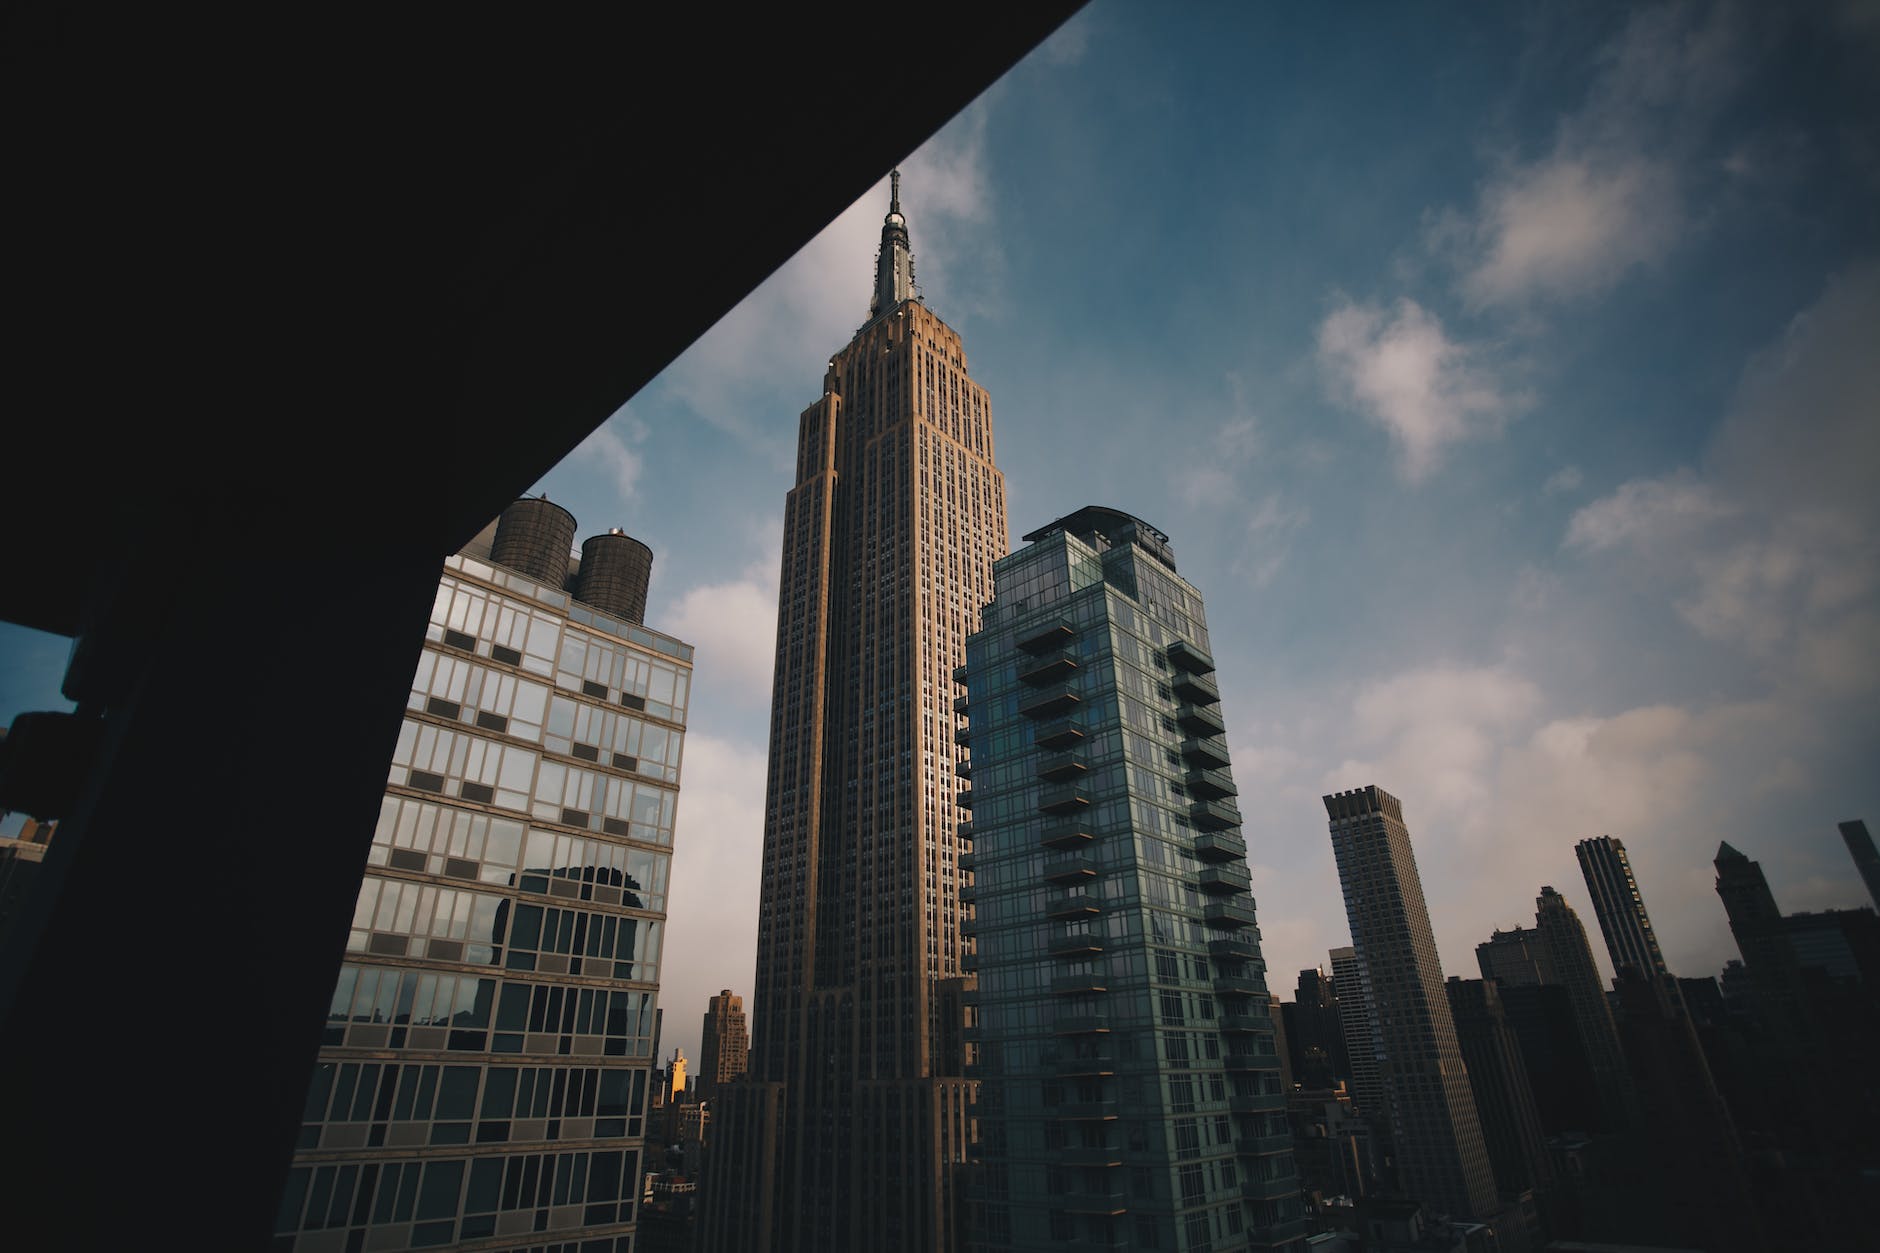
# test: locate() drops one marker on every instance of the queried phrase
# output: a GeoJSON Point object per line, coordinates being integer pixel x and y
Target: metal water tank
{"type": "Point", "coordinates": [533, 537]}
{"type": "Point", "coordinates": [615, 570]}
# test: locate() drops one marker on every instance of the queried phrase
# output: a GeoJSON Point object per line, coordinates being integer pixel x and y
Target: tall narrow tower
{"type": "Point", "coordinates": [889, 538]}
{"type": "Point", "coordinates": [724, 1045]}
{"type": "Point", "coordinates": [1441, 1154]}
{"type": "Point", "coordinates": [1630, 940]}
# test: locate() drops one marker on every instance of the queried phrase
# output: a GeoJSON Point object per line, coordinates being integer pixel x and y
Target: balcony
{"type": "Point", "coordinates": [1084, 1067]}
{"type": "Point", "coordinates": [1256, 1102]}
{"type": "Point", "coordinates": [959, 704]}
{"type": "Point", "coordinates": [1213, 815]}
{"type": "Point", "coordinates": [1090, 1155]}
{"type": "Point", "coordinates": [1196, 689]}
{"type": "Point", "coordinates": [1189, 657]}
{"type": "Point", "coordinates": [1234, 946]}
{"type": "Point", "coordinates": [1065, 734]}
{"type": "Point", "coordinates": [1070, 868]}
{"type": "Point", "coordinates": [1051, 702]}
{"type": "Point", "coordinates": [1240, 1063]}
{"type": "Point", "coordinates": [1260, 1146]}
{"type": "Point", "coordinates": [1271, 1189]}
{"type": "Point", "coordinates": [959, 674]}
{"type": "Point", "coordinates": [1200, 720]}
{"type": "Point", "coordinates": [1111, 1202]}
{"type": "Point", "coordinates": [963, 799]}
{"type": "Point", "coordinates": [1063, 800]}
{"type": "Point", "coordinates": [1220, 846]}
{"type": "Point", "coordinates": [968, 863]}
{"type": "Point", "coordinates": [963, 736]}
{"type": "Point", "coordinates": [1068, 985]}
{"type": "Point", "coordinates": [1083, 1111]}
{"type": "Point", "coordinates": [965, 831]}
{"type": "Point", "coordinates": [1082, 944]}
{"type": "Point", "coordinates": [1061, 766]}
{"type": "Point", "coordinates": [1244, 1022]}
{"type": "Point", "coordinates": [1082, 1024]}
{"type": "Point", "coordinates": [1051, 667]}
{"type": "Point", "coordinates": [962, 769]}
{"type": "Point", "coordinates": [968, 894]}
{"type": "Point", "coordinates": [1210, 784]}
{"type": "Point", "coordinates": [1225, 879]}
{"type": "Point", "coordinates": [1067, 835]}
{"type": "Point", "coordinates": [1237, 985]}
{"type": "Point", "coordinates": [1209, 752]}
{"type": "Point", "coordinates": [969, 962]}
{"type": "Point", "coordinates": [1229, 915]}
{"type": "Point", "coordinates": [1039, 636]}
{"type": "Point", "coordinates": [1077, 906]}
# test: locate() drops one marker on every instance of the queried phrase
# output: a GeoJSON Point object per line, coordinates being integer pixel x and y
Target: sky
{"type": "Point", "coordinates": [1505, 376]}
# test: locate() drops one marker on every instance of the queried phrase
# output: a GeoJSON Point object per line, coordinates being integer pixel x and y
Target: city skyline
{"type": "Point", "coordinates": [1600, 622]}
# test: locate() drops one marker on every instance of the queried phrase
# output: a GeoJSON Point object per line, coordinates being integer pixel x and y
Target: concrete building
{"type": "Point", "coordinates": [485, 1069]}
{"type": "Point", "coordinates": [1356, 1025]}
{"type": "Point", "coordinates": [1441, 1158]}
{"type": "Point", "coordinates": [889, 538]}
{"type": "Point", "coordinates": [1130, 1090]}
{"type": "Point", "coordinates": [724, 1046]}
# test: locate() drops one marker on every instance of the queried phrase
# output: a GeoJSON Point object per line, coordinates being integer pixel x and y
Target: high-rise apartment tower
{"type": "Point", "coordinates": [889, 538]}
{"type": "Point", "coordinates": [1130, 1092]}
{"type": "Point", "coordinates": [1630, 940]}
{"type": "Point", "coordinates": [483, 1082]}
{"type": "Point", "coordinates": [1440, 1153]}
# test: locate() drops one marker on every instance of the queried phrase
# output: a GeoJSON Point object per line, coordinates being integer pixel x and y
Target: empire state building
{"type": "Point", "coordinates": [852, 1127]}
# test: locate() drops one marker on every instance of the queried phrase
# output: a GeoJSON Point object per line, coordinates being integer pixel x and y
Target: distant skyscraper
{"type": "Point", "coordinates": [1620, 909]}
{"type": "Point", "coordinates": [1440, 1151]}
{"type": "Point", "coordinates": [1511, 1125]}
{"type": "Point", "coordinates": [484, 1077]}
{"type": "Point", "coordinates": [1514, 959]}
{"type": "Point", "coordinates": [724, 1046]}
{"type": "Point", "coordinates": [1354, 1019]}
{"type": "Point", "coordinates": [1866, 859]}
{"type": "Point", "coordinates": [1141, 1104]}
{"type": "Point", "coordinates": [889, 538]}
{"type": "Point", "coordinates": [1566, 957]}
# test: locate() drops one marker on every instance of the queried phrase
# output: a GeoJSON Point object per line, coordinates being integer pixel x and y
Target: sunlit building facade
{"type": "Point", "coordinates": [483, 1081]}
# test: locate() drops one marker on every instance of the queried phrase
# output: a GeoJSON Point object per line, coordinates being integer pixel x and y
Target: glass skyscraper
{"type": "Point", "coordinates": [1130, 1093]}
{"type": "Point", "coordinates": [484, 1075]}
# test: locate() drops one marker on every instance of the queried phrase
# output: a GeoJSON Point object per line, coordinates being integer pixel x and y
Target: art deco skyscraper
{"type": "Point", "coordinates": [724, 1047]}
{"type": "Point", "coordinates": [889, 538]}
{"type": "Point", "coordinates": [1441, 1155]}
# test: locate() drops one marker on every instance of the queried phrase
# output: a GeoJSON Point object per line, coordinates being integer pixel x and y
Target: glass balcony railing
{"type": "Point", "coordinates": [1200, 720]}
{"type": "Point", "coordinates": [1206, 751]}
{"type": "Point", "coordinates": [1225, 879]}
{"type": "Point", "coordinates": [1190, 657]}
{"type": "Point", "coordinates": [1054, 633]}
{"type": "Point", "coordinates": [1220, 846]}
{"type": "Point", "coordinates": [1196, 689]}
{"type": "Point", "coordinates": [1050, 702]}
{"type": "Point", "coordinates": [1210, 784]}
{"type": "Point", "coordinates": [1050, 667]}
{"type": "Point", "coordinates": [1213, 815]}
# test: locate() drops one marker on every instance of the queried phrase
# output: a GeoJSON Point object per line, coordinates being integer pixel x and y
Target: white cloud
{"type": "Point", "coordinates": [612, 448]}
{"type": "Point", "coordinates": [717, 862]}
{"type": "Point", "coordinates": [1645, 510]}
{"type": "Point", "coordinates": [1772, 545]}
{"type": "Point", "coordinates": [1401, 370]}
{"type": "Point", "coordinates": [1610, 195]}
{"type": "Point", "coordinates": [733, 627]}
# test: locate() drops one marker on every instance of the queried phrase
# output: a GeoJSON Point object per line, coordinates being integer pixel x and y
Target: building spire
{"type": "Point", "coordinates": [894, 264]}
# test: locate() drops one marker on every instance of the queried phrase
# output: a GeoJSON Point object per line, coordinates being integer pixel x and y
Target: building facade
{"type": "Point", "coordinates": [1354, 1023]}
{"type": "Point", "coordinates": [889, 538]}
{"type": "Point", "coordinates": [483, 1082]}
{"type": "Point", "coordinates": [724, 1047]}
{"type": "Point", "coordinates": [1130, 1090]}
{"type": "Point", "coordinates": [1441, 1158]}
{"type": "Point", "coordinates": [1568, 960]}
{"type": "Point", "coordinates": [1630, 940]}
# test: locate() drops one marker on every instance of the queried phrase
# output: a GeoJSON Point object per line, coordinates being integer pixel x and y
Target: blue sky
{"type": "Point", "coordinates": [1504, 375]}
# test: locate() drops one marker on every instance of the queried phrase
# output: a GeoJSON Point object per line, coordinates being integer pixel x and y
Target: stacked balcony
{"type": "Point", "coordinates": [962, 769]}
{"type": "Point", "coordinates": [963, 799]}
{"type": "Point", "coordinates": [1066, 835]}
{"type": "Point", "coordinates": [1224, 879]}
{"type": "Point", "coordinates": [1234, 946]}
{"type": "Point", "coordinates": [1072, 867]}
{"type": "Point", "coordinates": [1078, 944]}
{"type": "Point", "coordinates": [1051, 667]}
{"type": "Point", "coordinates": [963, 736]}
{"type": "Point", "coordinates": [1072, 985]}
{"type": "Point", "coordinates": [1063, 801]}
{"type": "Point", "coordinates": [1041, 636]}
{"type": "Point", "coordinates": [1051, 702]}
{"type": "Point", "coordinates": [1220, 846]}
{"type": "Point", "coordinates": [965, 832]}
{"type": "Point", "coordinates": [1237, 985]}
{"type": "Point", "coordinates": [1196, 689]}
{"type": "Point", "coordinates": [968, 863]}
{"type": "Point", "coordinates": [1081, 1024]}
{"type": "Point", "coordinates": [1061, 766]}
{"type": "Point", "coordinates": [1210, 784]}
{"type": "Point", "coordinates": [1090, 1155]}
{"type": "Point", "coordinates": [1189, 657]}
{"type": "Point", "coordinates": [1109, 1202]}
{"type": "Point", "coordinates": [1228, 915]}
{"type": "Point", "coordinates": [1200, 720]}
{"type": "Point", "coordinates": [959, 674]}
{"type": "Point", "coordinates": [959, 704]}
{"type": "Point", "coordinates": [1101, 1066]}
{"type": "Point", "coordinates": [1213, 815]}
{"type": "Point", "coordinates": [1057, 735]}
{"type": "Point", "coordinates": [1074, 905]}
{"type": "Point", "coordinates": [1205, 752]}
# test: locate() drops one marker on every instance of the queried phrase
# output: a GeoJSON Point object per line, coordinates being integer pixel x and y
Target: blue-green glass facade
{"type": "Point", "coordinates": [1130, 1091]}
